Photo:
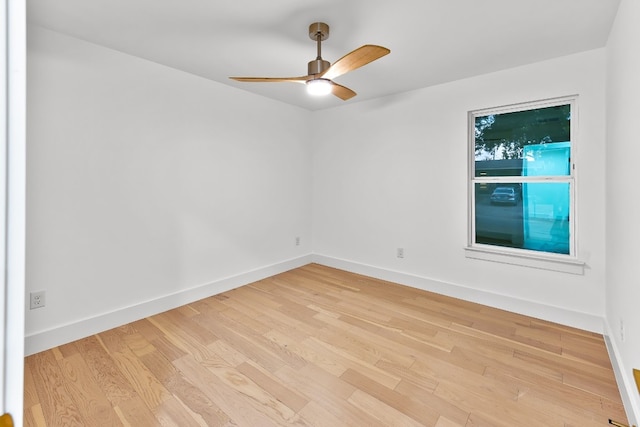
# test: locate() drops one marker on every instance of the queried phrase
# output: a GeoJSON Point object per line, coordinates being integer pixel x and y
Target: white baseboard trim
{"type": "Point", "coordinates": [626, 383]}
{"type": "Point", "coordinates": [46, 339]}
{"type": "Point", "coordinates": [43, 340]}
{"type": "Point", "coordinates": [585, 321]}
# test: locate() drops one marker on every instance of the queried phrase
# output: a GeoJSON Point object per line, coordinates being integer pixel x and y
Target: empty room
{"type": "Point", "coordinates": [443, 238]}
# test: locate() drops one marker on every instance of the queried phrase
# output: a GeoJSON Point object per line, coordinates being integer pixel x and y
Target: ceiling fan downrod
{"type": "Point", "coordinates": [318, 31]}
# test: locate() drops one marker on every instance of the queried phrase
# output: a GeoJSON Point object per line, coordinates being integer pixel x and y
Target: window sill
{"type": "Point", "coordinates": [564, 265]}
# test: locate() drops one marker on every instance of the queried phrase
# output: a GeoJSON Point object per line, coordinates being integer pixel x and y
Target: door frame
{"type": "Point", "coordinates": [13, 207]}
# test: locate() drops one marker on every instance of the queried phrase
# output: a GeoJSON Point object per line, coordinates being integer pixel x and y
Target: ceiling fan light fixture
{"type": "Point", "coordinates": [319, 87]}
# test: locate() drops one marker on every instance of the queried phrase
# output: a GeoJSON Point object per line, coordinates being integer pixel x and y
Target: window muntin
{"type": "Point", "coordinates": [522, 183]}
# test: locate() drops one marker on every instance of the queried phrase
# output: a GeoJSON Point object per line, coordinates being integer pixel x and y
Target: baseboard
{"type": "Point", "coordinates": [626, 383]}
{"type": "Point", "coordinates": [43, 340]}
{"type": "Point", "coordinates": [560, 315]}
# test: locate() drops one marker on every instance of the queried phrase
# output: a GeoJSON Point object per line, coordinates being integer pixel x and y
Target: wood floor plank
{"type": "Point", "coordinates": [317, 346]}
{"type": "Point", "coordinates": [445, 422]}
{"type": "Point", "coordinates": [407, 375]}
{"type": "Point", "coordinates": [319, 416]}
{"type": "Point", "coordinates": [492, 409]}
{"type": "Point", "coordinates": [250, 342]}
{"type": "Point", "coordinates": [126, 403]}
{"type": "Point", "coordinates": [405, 404]}
{"type": "Point", "coordinates": [134, 412]}
{"type": "Point", "coordinates": [387, 414]}
{"type": "Point", "coordinates": [35, 417]}
{"type": "Point", "coordinates": [146, 385]}
{"type": "Point", "coordinates": [172, 413]}
{"type": "Point", "coordinates": [362, 344]}
{"type": "Point", "coordinates": [190, 396]}
{"type": "Point", "coordinates": [211, 308]}
{"type": "Point", "coordinates": [158, 339]}
{"type": "Point", "coordinates": [182, 338]}
{"type": "Point", "coordinates": [246, 406]}
{"type": "Point", "coordinates": [56, 402]}
{"type": "Point", "coordinates": [229, 354]}
{"type": "Point", "coordinates": [273, 386]}
{"type": "Point", "coordinates": [348, 360]}
{"type": "Point", "coordinates": [91, 402]}
{"type": "Point", "coordinates": [112, 382]}
{"type": "Point", "coordinates": [30, 391]}
{"type": "Point", "coordinates": [329, 392]}
{"type": "Point", "coordinates": [311, 351]}
{"type": "Point", "coordinates": [433, 403]}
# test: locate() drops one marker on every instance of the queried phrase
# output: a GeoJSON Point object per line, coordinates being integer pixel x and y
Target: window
{"type": "Point", "coordinates": [522, 184]}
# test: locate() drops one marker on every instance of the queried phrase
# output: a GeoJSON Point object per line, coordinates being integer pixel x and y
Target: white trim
{"type": "Point", "coordinates": [585, 321]}
{"type": "Point", "coordinates": [43, 340]}
{"type": "Point", "coordinates": [525, 259]}
{"type": "Point", "coordinates": [3, 196]}
{"type": "Point", "coordinates": [16, 77]}
{"type": "Point", "coordinates": [526, 105]}
{"type": "Point", "coordinates": [626, 384]}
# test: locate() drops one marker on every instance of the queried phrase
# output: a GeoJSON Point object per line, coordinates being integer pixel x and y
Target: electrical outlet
{"type": "Point", "coordinates": [297, 241]}
{"type": "Point", "coordinates": [37, 299]}
{"type": "Point", "coordinates": [622, 331]}
{"type": "Point", "coordinates": [400, 253]}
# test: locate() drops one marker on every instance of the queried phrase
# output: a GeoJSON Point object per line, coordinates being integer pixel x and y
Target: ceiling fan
{"type": "Point", "coordinates": [320, 72]}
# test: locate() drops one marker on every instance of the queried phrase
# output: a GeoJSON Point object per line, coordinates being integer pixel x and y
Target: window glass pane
{"type": "Point", "coordinates": [509, 143]}
{"type": "Point", "coordinates": [499, 218]}
{"type": "Point", "coordinates": [532, 216]}
{"type": "Point", "coordinates": [546, 216]}
{"type": "Point", "coordinates": [552, 159]}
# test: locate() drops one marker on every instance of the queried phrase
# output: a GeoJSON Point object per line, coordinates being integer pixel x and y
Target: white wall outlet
{"type": "Point", "coordinates": [622, 331]}
{"type": "Point", "coordinates": [297, 240]}
{"type": "Point", "coordinates": [400, 253]}
{"type": "Point", "coordinates": [37, 299]}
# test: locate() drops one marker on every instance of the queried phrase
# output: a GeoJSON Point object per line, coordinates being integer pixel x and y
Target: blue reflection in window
{"type": "Point", "coordinates": [546, 205]}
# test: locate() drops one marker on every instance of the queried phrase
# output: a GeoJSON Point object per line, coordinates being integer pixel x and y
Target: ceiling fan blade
{"type": "Point", "coordinates": [300, 79]}
{"type": "Point", "coordinates": [342, 92]}
{"type": "Point", "coordinates": [355, 59]}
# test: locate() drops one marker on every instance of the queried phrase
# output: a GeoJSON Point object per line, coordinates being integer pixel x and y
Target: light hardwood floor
{"type": "Point", "coordinates": [322, 347]}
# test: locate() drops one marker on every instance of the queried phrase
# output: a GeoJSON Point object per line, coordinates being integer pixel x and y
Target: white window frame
{"type": "Point", "coordinates": [524, 257]}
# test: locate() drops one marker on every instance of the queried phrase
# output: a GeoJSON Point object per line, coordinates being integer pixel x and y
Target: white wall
{"type": "Point", "coordinates": [148, 187]}
{"type": "Point", "coordinates": [392, 173]}
{"type": "Point", "coordinates": [623, 204]}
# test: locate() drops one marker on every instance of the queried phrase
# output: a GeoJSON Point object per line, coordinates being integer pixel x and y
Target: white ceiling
{"type": "Point", "coordinates": [431, 41]}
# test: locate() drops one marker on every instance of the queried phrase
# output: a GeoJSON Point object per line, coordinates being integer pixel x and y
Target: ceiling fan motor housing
{"type": "Point", "coordinates": [318, 66]}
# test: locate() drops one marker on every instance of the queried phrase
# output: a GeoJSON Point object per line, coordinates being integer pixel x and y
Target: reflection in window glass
{"type": "Point", "coordinates": [551, 159]}
{"type": "Point", "coordinates": [522, 178]}
{"type": "Point", "coordinates": [498, 215]}
{"type": "Point", "coordinates": [533, 216]}
{"type": "Point", "coordinates": [503, 136]}
{"type": "Point", "coordinates": [546, 215]}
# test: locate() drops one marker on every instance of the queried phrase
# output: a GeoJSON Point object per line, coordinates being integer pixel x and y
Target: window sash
{"type": "Point", "coordinates": [473, 180]}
